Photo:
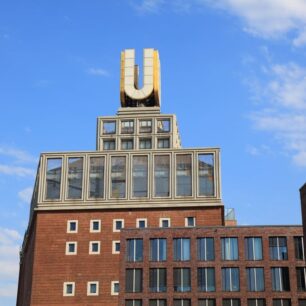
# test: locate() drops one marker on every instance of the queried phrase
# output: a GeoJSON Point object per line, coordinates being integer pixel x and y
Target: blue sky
{"type": "Point", "coordinates": [233, 72]}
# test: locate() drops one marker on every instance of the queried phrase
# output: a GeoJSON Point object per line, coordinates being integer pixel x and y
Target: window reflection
{"type": "Point", "coordinates": [118, 177]}
{"type": "Point", "coordinates": [140, 176]}
{"type": "Point", "coordinates": [53, 178]}
{"type": "Point", "coordinates": [96, 177]}
{"type": "Point", "coordinates": [206, 174]}
{"type": "Point", "coordinates": [75, 177]}
{"type": "Point", "coordinates": [183, 175]}
{"type": "Point", "coordinates": [162, 175]}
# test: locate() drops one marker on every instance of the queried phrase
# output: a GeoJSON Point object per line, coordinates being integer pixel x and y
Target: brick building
{"type": "Point", "coordinates": [140, 221]}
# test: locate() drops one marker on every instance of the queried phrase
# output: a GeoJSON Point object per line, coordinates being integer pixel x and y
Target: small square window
{"type": "Point", "coordinates": [163, 143]}
{"type": "Point", "coordinates": [109, 144]}
{"type": "Point", "coordinates": [94, 247]}
{"type": "Point", "coordinates": [71, 248]}
{"type": "Point", "coordinates": [72, 226]}
{"type": "Point", "coordinates": [116, 247]}
{"type": "Point", "coordinates": [95, 226]}
{"type": "Point", "coordinates": [190, 221]}
{"type": "Point", "coordinates": [127, 144]}
{"type": "Point", "coordinates": [141, 223]}
{"type": "Point", "coordinates": [145, 143]}
{"type": "Point", "coordinates": [163, 126]}
{"type": "Point", "coordinates": [68, 289]}
{"type": "Point", "coordinates": [118, 224]}
{"type": "Point", "coordinates": [109, 127]}
{"type": "Point", "coordinates": [93, 288]}
{"type": "Point", "coordinates": [127, 127]}
{"type": "Point", "coordinates": [164, 222]}
{"type": "Point", "coordinates": [145, 126]}
{"type": "Point", "coordinates": [115, 288]}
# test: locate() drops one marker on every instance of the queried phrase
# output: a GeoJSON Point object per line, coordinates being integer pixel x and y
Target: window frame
{"type": "Point", "coordinates": [65, 284]}
{"type": "Point", "coordinates": [91, 252]}
{"type": "Point", "coordinates": [114, 242]}
{"type": "Point", "coordinates": [75, 243]}
{"type": "Point", "coordinates": [193, 221]}
{"type": "Point", "coordinates": [214, 174]}
{"type": "Point", "coordinates": [115, 230]}
{"type": "Point", "coordinates": [113, 292]}
{"type": "Point", "coordinates": [191, 154]}
{"type": "Point", "coordinates": [88, 288]}
{"type": "Point", "coordinates": [138, 220]}
{"type": "Point", "coordinates": [92, 230]}
{"type": "Point", "coordinates": [109, 121]}
{"type": "Point", "coordinates": [66, 164]}
{"type": "Point", "coordinates": [76, 226]}
{"type": "Point", "coordinates": [164, 219]}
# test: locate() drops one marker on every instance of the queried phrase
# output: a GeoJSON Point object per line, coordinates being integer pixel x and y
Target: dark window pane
{"type": "Point", "coordinates": [158, 280]}
{"type": "Point", "coordinates": [181, 280]}
{"type": "Point", "coordinates": [75, 177]}
{"type": "Point", "coordinates": [278, 248]}
{"type": "Point", "coordinates": [300, 278]}
{"type": "Point", "coordinates": [206, 279]}
{"type": "Point", "coordinates": [181, 249]}
{"type": "Point", "coordinates": [207, 302]}
{"type": "Point", "coordinates": [230, 302]}
{"type": "Point", "coordinates": [281, 302]}
{"type": "Point", "coordinates": [253, 248]}
{"type": "Point", "coordinates": [127, 144]}
{"type": "Point", "coordinates": [133, 280]}
{"type": "Point", "coordinates": [134, 250]}
{"type": "Point", "coordinates": [256, 302]}
{"type": "Point", "coordinates": [280, 279]}
{"type": "Point", "coordinates": [299, 248]}
{"type": "Point", "coordinates": [206, 250]}
{"type": "Point", "coordinates": [255, 279]}
{"type": "Point", "coordinates": [109, 145]}
{"type": "Point", "coordinates": [53, 178]}
{"type": "Point", "coordinates": [230, 279]}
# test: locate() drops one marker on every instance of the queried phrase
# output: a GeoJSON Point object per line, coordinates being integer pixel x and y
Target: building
{"type": "Point", "coordinates": [140, 221]}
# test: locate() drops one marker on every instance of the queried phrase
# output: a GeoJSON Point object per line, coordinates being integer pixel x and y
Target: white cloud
{"type": "Point", "coordinates": [148, 6]}
{"type": "Point", "coordinates": [20, 155]}
{"type": "Point", "coordinates": [98, 72]}
{"type": "Point", "coordinates": [25, 195]}
{"type": "Point", "coordinates": [18, 171]}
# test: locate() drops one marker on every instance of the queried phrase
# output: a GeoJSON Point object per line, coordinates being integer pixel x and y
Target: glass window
{"type": "Point", "coordinates": [158, 280]}
{"type": "Point", "coordinates": [231, 302]}
{"type": "Point", "coordinates": [181, 279]}
{"type": "Point", "coordinates": [161, 175]}
{"type": "Point", "coordinates": [72, 226]}
{"type": "Point", "coordinates": [127, 127]}
{"type": "Point", "coordinates": [118, 224]}
{"type": "Point", "coordinates": [181, 302]}
{"type": "Point", "coordinates": [181, 249]}
{"type": "Point", "coordinates": [95, 226]}
{"type": "Point", "coordinates": [68, 289]}
{"type": "Point", "coordinates": [253, 248]}
{"type": "Point", "coordinates": [109, 144]}
{"type": "Point", "coordinates": [183, 175]}
{"type": "Point", "coordinates": [140, 176]}
{"type": "Point", "coordinates": [96, 177]}
{"type": "Point", "coordinates": [133, 281]}
{"type": "Point", "coordinates": [206, 174]}
{"type": "Point", "coordinates": [207, 302]}
{"type": "Point", "coordinates": [281, 302]}
{"type": "Point", "coordinates": [134, 250]}
{"type": "Point", "coordinates": [163, 143]}
{"type": "Point", "coordinates": [164, 222]}
{"type": "Point", "coordinates": [145, 126]}
{"type": "Point", "coordinates": [109, 127]}
{"type": "Point", "coordinates": [53, 178]}
{"type": "Point", "coordinates": [145, 143]}
{"type": "Point", "coordinates": [190, 221]}
{"type": "Point", "coordinates": [278, 248]}
{"type": "Point", "coordinates": [256, 302]}
{"type": "Point", "coordinates": [141, 223]}
{"type": "Point", "coordinates": [280, 279]}
{"type": "Point", "coordinates": [158, 249]}
{"type": "Point", "coordinates": [127, 144]}
{"type": "Point", "coordinates": [229, 248]}
{"type": "Point", "coordinates": [118, 177]}
{"type": "Point", "coordinates": [206, 249]}
{"type": "Point", "coordinates": [206, 279]}
{"type": "Point", "coordinates": [302, 302]}
{"type": "Point", "coordinates": [230, 279]}
{"type": "Point", "coordinates": [94, 247]}
{"type": "Point", "coordinates": [255, 279]}
{"type": "Point", "coordinates": [158, 302]}
{"type": "Point", "coordinates": [300, 279]}
{"type": "Point", "coordinates": [299, 248]}
{"type": "Point", "coordinates": [92, 288]}
{"type": "Point", "coordinates": [115, 288]}
{"type": "Point", "coordinates": [163, 126]}
{"type": "Point", "coordinates": [133, 302]}
{"type": "Point", "coordinates": [71, 248]}
{"type": "Point", "coordinates": [75, 177]}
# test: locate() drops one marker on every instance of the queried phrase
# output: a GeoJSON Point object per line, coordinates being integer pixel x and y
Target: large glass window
{"type": "Point", "coordinates": [133, 280]}
{"type": "Point", "coordinates": [206, 174]}
{"type": "Point", "coordinates": [207, 302]}
{"type": "Point", "coordinates": [96, 177]}
{"type": "Point", "coordinates": [158, 249]}
{"type": "Point", "coordinates": [145, 126]}
{"type": "Point", "coordinates": [127, 144]}
{"type": "Point", "coordinates": [181, 302]}
{"type": "Point", "coordinates": [229, 248]}
{"type": "Point", "coordinates": [109, 127]}
{"type": "Point", "coordinates": [127, 127]}
{"type": "Point", "coordinates": [75, 177]}
{"type": "Point", "coordinates": [206, 249]}
{"type": "Point", "coordinates": [53, 178]}
{"type": "Point", "coordinates": [299, 248]}
{"type": "Point", "coordinates": [140, 176]}
{"type": "Point", "coordinates": [256, 302]}
{"type": "Point", "coordinates": [206, 279]}
{"type": "Point", "coordinates": [163, 143]}
{"type": "Point", "coordinates": [278, 248]}
{"type": "Point", "coordinates": [280, 279]}
{"type": "Point", "coordinates": [133, 302]}
{"type": "Point", "coordinates": [181, 279]}
{"type": "Point", "coordinates": [118, 177]}
{"type": "Point", "coordinates": [253, 248]}
{"type": "Point", "coordinates": [181, 249]}
{"type": "Point", "coordinates": [281, 302]}
{"type": "Point", "coordinates": [231, 302]}
{"type": "Point", "coordinates": [301, 279]}
{"type": "Point", "coordinates": [163, 126]}
{"type": "Point", "coordinates": [158, 280]}
{"type": "Point", "coordinates": [183, 175]}
{"type": "Point", "coordinates": [159, 302]}
{"type": "Point", "coordinates": [255, 279]}
{"type": "Point", "coordinates": [109, 144]}
{"type": "Point", "coordinates": [161, 175]}
{"type": "Point", "coordinates": [145, 143]}
{"type": "Point", "coordinates": [230, 279]}
{"type": "Point", "coordinates": [134, 250]}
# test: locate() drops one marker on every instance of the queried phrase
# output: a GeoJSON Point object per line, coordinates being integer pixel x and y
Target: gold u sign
{"type": "Point", "coordinates": [130, 94]}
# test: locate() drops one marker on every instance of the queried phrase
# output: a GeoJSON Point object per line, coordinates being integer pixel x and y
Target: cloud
{"type": "Point", "coordinates": [20, 155]}
{"type": "Point", "coordinates": [98, 72]}
{"type": "Point", "coordinates": [148, 6]}
{"type": "Point", "coordinates": [17, 171]}
{"type": "Point", "coordinates": [25, 195]}
{"type": "Point", "coordinates": [258, 150]}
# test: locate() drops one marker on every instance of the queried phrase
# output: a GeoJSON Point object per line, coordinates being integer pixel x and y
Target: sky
{"type": "Point", "coordinates": [233, 71]}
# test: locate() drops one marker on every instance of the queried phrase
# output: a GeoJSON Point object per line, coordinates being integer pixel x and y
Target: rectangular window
{"type": "Point", "coordinates": [95, 226]}
{"type": "Point", "coordinates": [145, 126]}
{"type": "Point", "coordinates": [127, 127]}
{"type": "Point", "coordinates": [72, 226]}
{"type": "Point", "coordinates": [300, 278]}
{"type": "Point", "coordinates": [109, 144]}
{"type": "Point", "coordinates": [116, 247]}
{"type": "Point", "coordinates": [206, 279]}
{"type": "Point", "coordinates": [134, 250]}
{"type": "Point", "coordinates": [118, 176]}
{"type": "Point", "coordinates": [161, 175]}
{"type": "Point", "coordinates": [302, 302]}
{"type": "Point", "coordinates": [94, 247]}
{"type": "Point", "coordinates": [206, 249]}
{"type": "Point", "coordinates": [230, 279]}
{"type": "Point", "coordinates": [141, 223]}
{"type": "Point", "coordinates": [253, 248]}
{"type": "Point", "coordinates": [163, 143]}
{"type": "Point", "coordinates": [206, 174]}
{"type": "Point", "coordinates": [68, 289]}
{"type": "Point", "coordinates": [164, 222]}
{"type": "Point", "coordinates": [109, 127]}
{"type": "Point", "coordinates": [145, 143]}
{"type": "Point", "coordinates": [158, 280]}
{"type": "Point", "coordinates": [231, 302]}
{"type": "Point", "coordinates": [133, 302]}
{"type": "Point", "coordinates": [207, 302]}
{"type": "Point", "coordinates": [140, 176]}
{"type": "Point", "coordinates": [181, 280]}
{"type": "Point", "coordinates": [96, 177]}
{"type": "Point", "coordinates": [118, 224]}
{"type": "Point", "coordinates": [181, 249]}
{"type": "Point", "coordinates": [229, 248]}
{"type": "Point", "coordinates": [163, 126]}
{"type": "Point", "coordinates": [158, 249]}
{"type": "Point", "coordinates": [158, 302]}
{"type": "Point", "coordinates": [53, 178]}
{"type": "Point", "coordinates": [133, 281]}
{"type": "Point", "coordinates": [256, 302]}
{"type": "Point", "coordinates": [181, 302]}
{"type": "Point", "coordinates": [281, 302]}
{"type": "Point", "coordinates": [190, 221]}
{"type": "Point", "coordinates": [115, 287]}
{"type": "Point", "coordinates": [93, 288]}
{"type": "Point", "coordinates": [280, 279]}
{"type": "Point", "coordinates": [183, 175]}
{"type": "Point", "coordinates": [299, 248]}
{"type": "Point", "coordinates": [255, 279]}
{"type": "Point", "coordinates": [75, 177]}
{"type": "Point", "coordinates": [127, 144]}
{"type": "Point", "coordinates": [278, 248]}
{"type": "Point", "coordinates": [71, 248]}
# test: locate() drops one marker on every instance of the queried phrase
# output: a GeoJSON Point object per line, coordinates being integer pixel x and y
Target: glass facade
{"type": "Point", "coordinates": [181, 249]}
{"type": "Point", "coordinates": [140, 176]}
{"type": "Point", "coordinates": [96, 177]}
{"type": "Point", "coordinates": [229, 248]}
{"type": "Point", "coordinates": [253, 248]}
{"type": "Point", "coordinates": [118, 177]}
{"type": "Point", "coordinates": [206, 174]}
{"type": "Point", "coordinates": [183, 175]}
{"type": "Point", "coordinates": [161, 175]}
{"type": "Point", "coordinates": [75, 177]}
{"type": "Point", "coordinates": [53, 178]}
{"type": "Point", "coordinates": [205, 249]}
